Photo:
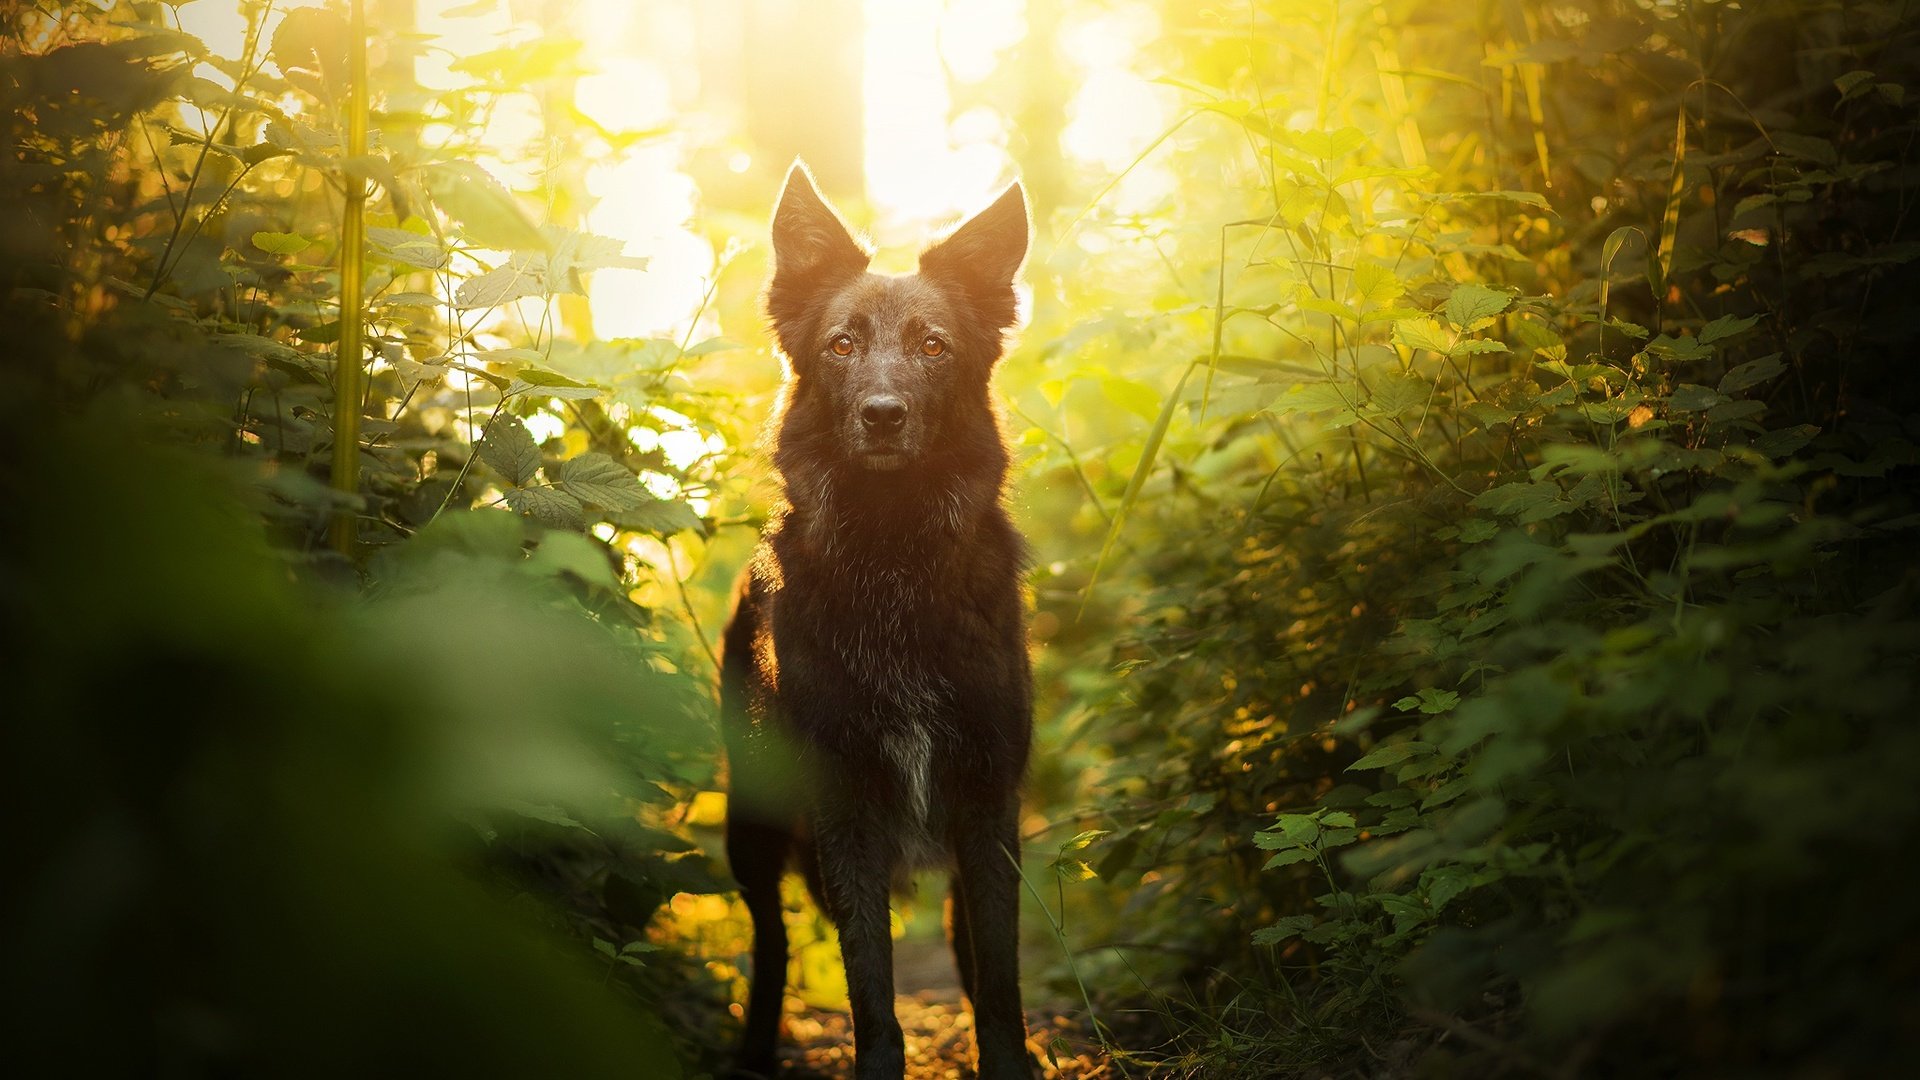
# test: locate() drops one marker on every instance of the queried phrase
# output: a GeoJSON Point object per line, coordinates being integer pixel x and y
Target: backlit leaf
{"type": "Point", "coordinates": [279, 243]}
{"type": "Point", "coordinates": [486, 211]}
{"type": "Point", "coordinates": [1375, 286]}
{"type": "Point", "coordinates": [510, 450]}
{"type": "Point", "coordinates": [596, 478]}
{"type": "Point", "coordinates": [1424, 333]}
{"type": "Point", "coordinates": [548, 505]}
{"type": "Point", "coordinates": [1471, 307]}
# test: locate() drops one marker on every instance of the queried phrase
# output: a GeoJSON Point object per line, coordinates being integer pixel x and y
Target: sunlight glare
{"type": "Point", "coordinates": [453, 38]}
{"type": "Point", "coordinates": [974, 34]}
{"type": "Point", "coordinates": [1116, 112]}
{"type": "Point", "coordinates": [647, 201]}
{"type": "Point", "coordinates": [918, 170]}
{"type": "Point", "coordinates": [625, 94]}
{"type": "Point", "coordinates": [222, 28]}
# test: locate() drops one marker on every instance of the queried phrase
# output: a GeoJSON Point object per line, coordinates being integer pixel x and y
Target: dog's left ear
{"type": "Point", "coordinates": [983, 255]}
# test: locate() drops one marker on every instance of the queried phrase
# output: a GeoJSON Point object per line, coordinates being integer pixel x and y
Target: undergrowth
{"type": "Point", "coordinates": [1467, 456]}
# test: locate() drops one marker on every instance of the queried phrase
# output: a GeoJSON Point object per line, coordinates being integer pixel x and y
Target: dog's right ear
{"type": "Point", "coordinates": [809, 240]}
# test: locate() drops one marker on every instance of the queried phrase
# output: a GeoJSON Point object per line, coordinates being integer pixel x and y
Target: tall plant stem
{"type": "Point", "coordinates": [348, 357]}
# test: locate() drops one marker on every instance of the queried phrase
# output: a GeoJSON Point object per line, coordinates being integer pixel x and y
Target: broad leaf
{"type": "Point", "coordinates": [279, 243]}
{"type": "Point", "coordinates": [596, 478]}
{"type": "Point", "coordinates": [1751, 374]}
{"type": "Point", "coordinates": [548, 384]}
{"type": "Point", "coordinates": [546, 504]}
{"type": "Point", "coordinates": [660, 516]}
{"type": "Point", "coordinates": [510, 450]}
{"type": "Point", "coordinates": [486, 211]}
{"type": "Point", "coordinates": [1471, 307]}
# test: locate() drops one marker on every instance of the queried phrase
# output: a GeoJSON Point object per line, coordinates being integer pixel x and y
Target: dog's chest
{"type": "Point", "coordinates": [881, 637]}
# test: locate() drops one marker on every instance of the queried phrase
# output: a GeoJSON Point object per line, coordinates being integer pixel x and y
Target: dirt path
{"type": "Point", "coordinates": [819, 1043]}
{"type": "Point", "coordinates": [939, 1045]}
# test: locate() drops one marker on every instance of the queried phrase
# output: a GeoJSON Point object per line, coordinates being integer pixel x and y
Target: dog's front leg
{"type": "Point", "coordinates": [857, 852]}
{"type": "Point", "coordinates": [985, 847]}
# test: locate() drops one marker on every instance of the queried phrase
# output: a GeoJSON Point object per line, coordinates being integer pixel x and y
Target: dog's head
{"type": "Point", "coordinates": [892, 371]}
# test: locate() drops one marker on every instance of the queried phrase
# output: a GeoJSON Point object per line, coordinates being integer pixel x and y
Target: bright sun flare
{"type": "Point", "coordinates": [924, 164]}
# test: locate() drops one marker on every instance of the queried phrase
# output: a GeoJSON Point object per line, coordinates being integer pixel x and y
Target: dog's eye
{"type": "Point", "coordinates": [842, 345]}
{"type": "Point", "coordinates": [933, 346]}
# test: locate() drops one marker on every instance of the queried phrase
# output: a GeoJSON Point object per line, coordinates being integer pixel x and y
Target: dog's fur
{"type": "Point", "coordinates": [875, 689]}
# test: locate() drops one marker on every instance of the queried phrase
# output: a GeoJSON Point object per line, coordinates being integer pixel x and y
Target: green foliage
{"type": "Point", "coordinates": [323, 812]}
{"type": "Point", "coordinates": [1468, 456]}
{"type": "Point", "coordinates": [1488, 662]}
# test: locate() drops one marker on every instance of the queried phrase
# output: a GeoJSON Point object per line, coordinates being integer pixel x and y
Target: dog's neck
{"type": "Point", "coordinates": [846, 509]}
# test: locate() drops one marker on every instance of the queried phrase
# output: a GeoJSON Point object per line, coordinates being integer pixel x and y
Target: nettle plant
{"type": "Point", "coordinates": [197, 249]}
{"type": "Point", "coordinates": [1534, 636]}
{"type": "Point", "coordinates": [466, 296]}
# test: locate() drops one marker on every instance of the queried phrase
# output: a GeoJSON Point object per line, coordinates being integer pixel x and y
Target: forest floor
{"type": "Point", "coordinates": [818, 1043]}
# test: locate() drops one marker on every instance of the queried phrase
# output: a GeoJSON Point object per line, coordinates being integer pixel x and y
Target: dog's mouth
{"type": "Point", "coordinates": [883, 461]}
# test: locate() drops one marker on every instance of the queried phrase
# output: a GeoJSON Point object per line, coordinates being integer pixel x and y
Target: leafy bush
{"type": "Point", "coordinates": [318, 811]}
{"type": "Point", "coordinates": [1518, 601]}
{"type": "Point", "coordinates": [1468, 455]}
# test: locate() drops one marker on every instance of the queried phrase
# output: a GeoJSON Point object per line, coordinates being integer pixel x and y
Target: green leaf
{"type": "Point", "coordinates": [1690, 398]}
{"type": "Point", "coordinates": [1287, 857]}
{"type": "Point", "coordinates": [1429, 701]}
{"type": "Point", "coordinates": [1374, 285]}
{"type": "Point", "coordinates": [1477, 530]}
{"type": "Point", "coordinates": [1660, 266]}
{"type": "Point", "coordinates": [1080, 842]}
{"type": "Point", "coordinates": [1300, 828]}
{"type": "Point", "coordinates": [1751, 374]}
{"type": "Point", "coordinates": [280, 243]}
{"type": "Point", "coordinates": [523, 63]}
{"type": "Point", "coordinates": [1274, 841]}
{"type": "Point", "coordinates": [1424, 333]}
{"type": "Point", "coordinates": [408, 299]}
{"type": "Point", "coordinates": [1283, 930]}
{"type": "Point", "coordinates": [1316, 397]}
{"type": "Point", "coordinates": [573, 553]}
{"type": "Point", "coordinates": [552, 815]}
{"type": "Point", "coordinates": [1518, 497]}
{"type": "Point", "coordinates": [1724, 327]}
{"type": "Point", "coordinates": [1328, 145]}
{"type": "Point", "coordinates": [663, 517]}
{"type": "Point", "coordinates": [1524, 198]}
{"type": "Point", "coordinates": [596, 478]}
{"type": "Point", "coordinates": [548, 384]}
{"type": "Point", "coordinates": [548, 505]}
{"type": "Point", "coordinates": [1478, 346]}
{"type": "Point", "coordinates": [510, 450]}
{"type": "Point", "coordinates": [1135, 397]}
{"type": "Point", "coordinates": [1398, 393]}
{"type": "Point", "coordinates": [1608, 252]}
{"type": "Point", "coordinates": [410, 248]}
{"type": "Point", "coordinates": [1074, 870]}
{"type": "Point", "coordinates": [1852, 83]}
{"type": "Point", "coordinates": [485, 210]}
{"type": "Point", "coordinates": [1806, 147]}
{"type": "Point", "coordinates": [1390, 754]}
{"type": "Point", "coordinates": [711, 345]}
{"type": "Point", "coordinates": [500, 285]}
{"type": "Point", "coordinates": [1471, 307]}
{"type": "Point", "coordinates": [1784, 441]}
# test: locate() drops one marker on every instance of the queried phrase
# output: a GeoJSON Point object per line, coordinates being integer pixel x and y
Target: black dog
{"type": "Point", "coordinates": [875, 689]}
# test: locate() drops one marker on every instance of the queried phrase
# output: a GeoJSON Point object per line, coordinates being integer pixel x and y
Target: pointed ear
{"type": "Point", "coordinates": [983, 254]}
{"type": "Point", "coordinates": [809, 239]}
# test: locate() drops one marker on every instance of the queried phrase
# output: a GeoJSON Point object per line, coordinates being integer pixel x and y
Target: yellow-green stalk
{"type": "Point", "coordinates": [349, 352]}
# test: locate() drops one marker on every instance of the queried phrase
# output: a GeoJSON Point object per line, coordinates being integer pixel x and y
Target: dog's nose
{"type": "Point", "coordinates": [883, 412]}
